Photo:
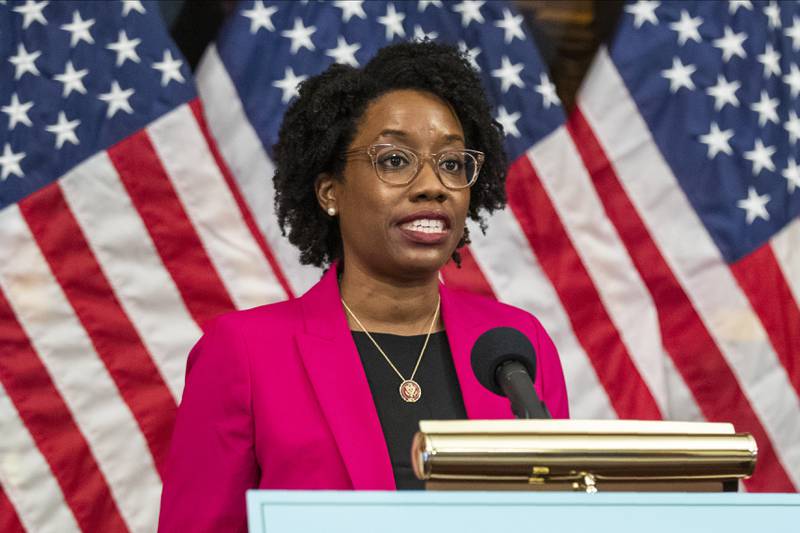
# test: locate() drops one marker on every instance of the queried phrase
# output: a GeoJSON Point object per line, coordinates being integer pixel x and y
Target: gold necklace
{"type": "Point", "coordinates": [410, 391]}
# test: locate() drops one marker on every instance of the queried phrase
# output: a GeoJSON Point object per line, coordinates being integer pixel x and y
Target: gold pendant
{"type": "Point", "coordinates": [410, 391]}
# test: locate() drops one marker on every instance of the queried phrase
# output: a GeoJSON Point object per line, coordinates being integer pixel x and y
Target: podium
{"type": "Point", "coordinates": [551, 475]}
{"type": "Point", "coordinates": [518, 512]}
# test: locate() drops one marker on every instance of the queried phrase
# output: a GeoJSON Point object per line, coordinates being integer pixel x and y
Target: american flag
{"type": "Point", "coordinates": [687, 130]}
{"type": "Point", "coordinates": [670, 290]}
{"type": "Point", "coordinates": [119, 236]}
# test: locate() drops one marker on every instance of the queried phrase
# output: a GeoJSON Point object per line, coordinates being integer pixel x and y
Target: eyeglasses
{"type": "Point", "coordinates": [399, 165]}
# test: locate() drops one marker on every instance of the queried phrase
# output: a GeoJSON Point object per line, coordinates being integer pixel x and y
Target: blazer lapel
{"type": "Point", "coordinates": [334, 368]}
{"type": "Point", "coordinates": [463, 329]}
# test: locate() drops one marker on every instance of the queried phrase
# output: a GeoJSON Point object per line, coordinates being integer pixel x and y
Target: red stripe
{"type": "Point", "coordinates": [197, 109]}
{"type": "Point", "coordinates": [685, 337]}
{"type": "Point", "coordinates": [50, 423]}
{"type": "Point", "coordinates": [113, 335]}
{"type": "Point", "coordinates": [762, 280]}
{"type": "Point", "coordinates": [627, 391]}
{"type": "Point", "coordinates": [469, 277]}
{"type": "Point", "coordinates": [175, 238]}
{"type": "Point", "coordinates": [9, 521]}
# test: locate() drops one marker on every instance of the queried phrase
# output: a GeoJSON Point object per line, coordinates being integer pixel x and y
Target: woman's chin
{"type": "Point", "coordinates": [423, 261]}
{"type": "Point", "coordinates": [405, 258]}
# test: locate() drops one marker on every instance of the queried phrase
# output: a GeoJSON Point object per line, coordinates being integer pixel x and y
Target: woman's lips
{"type": "Point", "coordinates": [425, 230]}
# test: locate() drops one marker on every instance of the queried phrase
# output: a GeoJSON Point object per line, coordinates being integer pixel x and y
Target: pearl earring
{"type": "Point", "coordinates": [331, 211]}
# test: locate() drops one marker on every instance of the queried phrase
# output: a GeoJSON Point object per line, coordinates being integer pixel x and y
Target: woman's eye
{"type": "Point", "coordinates": [452, 165]}
{"type": "Point", "coordinates": [394, 160]}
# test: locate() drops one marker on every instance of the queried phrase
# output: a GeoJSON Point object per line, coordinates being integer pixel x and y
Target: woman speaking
{"type": "Point", "coordinates": [377, 170]}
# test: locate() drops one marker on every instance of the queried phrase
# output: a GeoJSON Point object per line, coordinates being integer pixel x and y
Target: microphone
{"type": "Point", "coordinates": [504, 362]}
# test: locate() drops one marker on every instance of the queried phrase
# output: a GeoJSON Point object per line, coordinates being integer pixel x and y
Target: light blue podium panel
{"type": "Point", "coordinates": [512, 512]}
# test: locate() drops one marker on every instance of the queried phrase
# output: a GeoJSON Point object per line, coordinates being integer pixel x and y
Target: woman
{"type": "Point", "coordinates": [377, 170]}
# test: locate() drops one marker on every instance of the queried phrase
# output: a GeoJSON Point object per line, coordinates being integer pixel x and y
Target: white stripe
{"type": "Point", "coordinates": [517, 278]}
{"type": "Point", "coordinates": [693, 257]}
{"type": "Point", "coordinates": [83, 381]}
{"type": "Point", "coordinates": [786, 246]}
{"type": "Point", "coordinates": [249, 163]}
{"type": "Point", "coordinates": [126, 254]}
{"type": "Point", "coordinates": [213, 210]}
{"type": "Point", "coordinates": [26, 477]}
{"type": "Point", "coordinates": [613, 274]}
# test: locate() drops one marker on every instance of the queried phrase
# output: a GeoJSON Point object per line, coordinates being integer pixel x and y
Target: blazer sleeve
{"type": "Point", "coordinates": [212, 460]}
{"type": "Point", "coordinates": [550, 372]}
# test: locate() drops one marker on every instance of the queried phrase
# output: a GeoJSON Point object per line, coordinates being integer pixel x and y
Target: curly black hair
{"type": "Point", "coordinates": [321, 123]}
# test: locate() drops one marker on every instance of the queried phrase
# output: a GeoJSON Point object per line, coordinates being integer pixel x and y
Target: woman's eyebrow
{"type": "Point", "coordinates": [453, 137]}
{"type": "Point", "coordinates": [393, 133]}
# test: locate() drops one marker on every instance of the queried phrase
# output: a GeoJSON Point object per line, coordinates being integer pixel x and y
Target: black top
{"type": "Point", "coordinates": [440, 400]}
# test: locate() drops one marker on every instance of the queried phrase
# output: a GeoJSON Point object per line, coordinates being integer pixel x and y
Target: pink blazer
{"type": "Point", "coordinates": [276, 398]}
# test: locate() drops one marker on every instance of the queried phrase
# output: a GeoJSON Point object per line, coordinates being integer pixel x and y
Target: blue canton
{"type": "Point", "coordinates": [719, 91]}
{"type": "Point", "coordinates": [76, 78]}
{"type": "Point", "coordinates": [269, 47]}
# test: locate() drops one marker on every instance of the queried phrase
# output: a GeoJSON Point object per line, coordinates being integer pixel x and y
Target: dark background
{"type": "Point", "coordinates": [567, 32]}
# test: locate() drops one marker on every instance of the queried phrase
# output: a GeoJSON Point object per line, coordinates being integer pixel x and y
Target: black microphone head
{"type": "Point", "coordinates": [497, 346]}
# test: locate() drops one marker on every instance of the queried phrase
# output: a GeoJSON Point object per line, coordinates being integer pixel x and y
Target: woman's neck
{"type": "Point", "coordinates": [390, 306]}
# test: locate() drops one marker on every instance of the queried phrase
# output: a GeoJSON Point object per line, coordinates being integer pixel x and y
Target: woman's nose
{"type": "Point", "coordinates": [427, 184]}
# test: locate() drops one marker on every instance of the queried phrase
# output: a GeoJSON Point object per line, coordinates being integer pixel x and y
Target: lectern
{"type": "Point", "coordinates": [520, 512]}
{"type": "Point", "coordinates": [565, 474]}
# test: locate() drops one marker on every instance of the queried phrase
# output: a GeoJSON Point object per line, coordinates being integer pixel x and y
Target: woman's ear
{"type": "Point", "coordinates": [325, 188]}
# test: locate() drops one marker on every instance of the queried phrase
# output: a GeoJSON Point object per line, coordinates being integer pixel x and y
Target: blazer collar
{"type": "Point", "coordinates": [334, 367]}
{"type": "Point", "coordinates": [464, 323]}
{"type": "Point", "coordinates": [337, 375]}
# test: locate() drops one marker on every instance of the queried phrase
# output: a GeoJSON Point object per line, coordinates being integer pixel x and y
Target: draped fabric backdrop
{"type": "Point", "coordinates": [654, 230]}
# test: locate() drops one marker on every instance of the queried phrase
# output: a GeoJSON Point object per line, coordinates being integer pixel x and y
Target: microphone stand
{"type": "Point", "coordinates": [513, 378]}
